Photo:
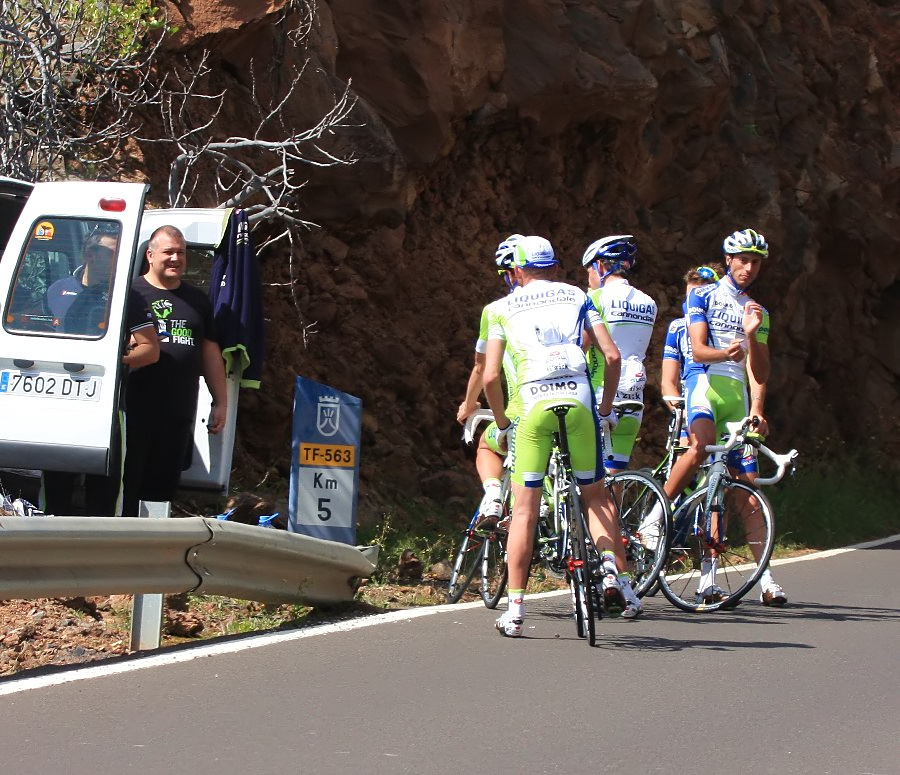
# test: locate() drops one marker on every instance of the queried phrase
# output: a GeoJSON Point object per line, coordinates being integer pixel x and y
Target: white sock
{"type": "Point", "coordinates": [708, 568]}
{"type": "Point", "coordinates": [608, 560]}
{"type": "Point", "coordinates": [490, 484]}
{"type": "Point", "coordinates": [627, 589]}
{"type": "Point", "coordinates": [517, 603]}
{"type": "Point", "coordinates": [650, 523]}
{"type": "Point", "coordinates": [766, 578]}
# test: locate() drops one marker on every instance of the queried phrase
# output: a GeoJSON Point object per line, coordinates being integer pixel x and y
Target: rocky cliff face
{"type": "Point", "coordinates": [675, 120]}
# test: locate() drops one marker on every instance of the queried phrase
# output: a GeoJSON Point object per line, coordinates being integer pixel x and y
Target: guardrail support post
{"type": "Point", "coordinates": [147, 610]}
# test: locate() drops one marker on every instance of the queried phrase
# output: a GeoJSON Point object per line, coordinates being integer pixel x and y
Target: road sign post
{"type": "Point", "coordinates": [324, 462]}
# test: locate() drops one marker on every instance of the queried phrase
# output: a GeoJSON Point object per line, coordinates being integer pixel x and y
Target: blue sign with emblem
{"type": "Point", "coordinates": [324, 462]}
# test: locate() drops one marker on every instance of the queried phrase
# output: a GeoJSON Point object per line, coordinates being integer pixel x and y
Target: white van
{"type": "Point", "coordinates": [61, 385]}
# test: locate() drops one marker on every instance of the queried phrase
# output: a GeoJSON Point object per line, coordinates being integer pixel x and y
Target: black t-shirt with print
{"type": "Point", "coordinates": [184, 318]}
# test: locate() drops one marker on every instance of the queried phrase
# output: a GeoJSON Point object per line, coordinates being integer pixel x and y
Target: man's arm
{"type": "Point", "coordinates": [214, 374]}
{"type": "Point", "coordinates": [757, 397]}
{"type": "Point", "coordinates": [493, 384]}
{"type": "Point", "coordinates": [473, 390]}
{"type": "Point", "coordinates": [701, 352]}
{"type": "Point", "coordinates": [670, 381]}
{"type": "Point", "coordinates": [757, 352]}
{"type": "Point", "coordinates": [143, 348]}
{"type": "Point", "coordinates": [612, 369]}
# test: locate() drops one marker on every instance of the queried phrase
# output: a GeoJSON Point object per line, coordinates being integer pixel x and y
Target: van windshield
{"type": "Point", "coordinates": [64, 279]}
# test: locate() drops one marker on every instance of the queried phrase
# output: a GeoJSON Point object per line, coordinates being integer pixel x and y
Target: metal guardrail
{"type": "Point", "coordinates": [68, 556]}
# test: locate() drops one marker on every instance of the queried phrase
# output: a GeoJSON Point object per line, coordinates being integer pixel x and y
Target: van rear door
{"type": "Point", "coordinates": [60, 372]}
{"type": "Point", "coordinates": [13, 194]}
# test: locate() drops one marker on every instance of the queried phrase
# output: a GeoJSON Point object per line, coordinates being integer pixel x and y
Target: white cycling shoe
{"type": "Point", "coordinates": [772, 594]}
{"type": "Point", "coordinates": [510, 625]}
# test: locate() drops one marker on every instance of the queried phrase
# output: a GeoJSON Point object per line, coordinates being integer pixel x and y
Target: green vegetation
{"type": "Point", "coordinates": [122, 26]}
{"type": "Point", "coordinates": [397, 537]}
{"type": "Point", "coordinates": [835, 503]}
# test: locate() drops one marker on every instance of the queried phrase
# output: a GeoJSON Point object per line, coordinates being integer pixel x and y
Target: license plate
{"type": "Point", "coordinates": [18, 383]}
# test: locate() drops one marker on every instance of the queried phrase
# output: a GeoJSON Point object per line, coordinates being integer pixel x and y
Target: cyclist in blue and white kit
{"type": "Point", "coordinates": [728, 334]}
{"type": "Point", "coordinates": [677, 348]}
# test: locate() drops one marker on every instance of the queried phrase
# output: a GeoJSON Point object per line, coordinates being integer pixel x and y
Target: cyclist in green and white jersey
{"type": "Point", "coordinates": [488, 455]}
{"type": "Point", "coordinates": [728, 333]}
{"type": "Point", "coordinates": [629, 315]}
{"type": "Point", "coordinates": [541, 325]}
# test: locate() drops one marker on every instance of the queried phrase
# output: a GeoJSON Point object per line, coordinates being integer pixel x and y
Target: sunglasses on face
{"type": "Point", "coordinates": [101, 251]}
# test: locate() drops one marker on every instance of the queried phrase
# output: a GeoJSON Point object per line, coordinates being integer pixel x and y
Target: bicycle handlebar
{"type": "Point", "coordinates": [737, 432]}
{"type": "Point", "coordinates": [627, 406]}
{"type": "Point", "coordinates": [607, 440]}
{"type": "Point", "coordinates": [676, 401]}
{"type": "Point", "coordinates": [473, 421]}
{"type": "Point", "coordinates": [782, 461]}
{"type": "Point", "coordinates": [737, 436]}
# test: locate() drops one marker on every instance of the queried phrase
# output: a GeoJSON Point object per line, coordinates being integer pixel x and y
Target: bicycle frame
{"type": "Point", "coordinates": [578, 542]}
{"type": "Point", "coordinates": [701, 526]}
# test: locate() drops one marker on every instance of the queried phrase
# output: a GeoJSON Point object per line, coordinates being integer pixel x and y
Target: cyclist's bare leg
{"type": "Point", "coordinates": [748, 508]}
{"type": "Point", "coordinates": [520, 541]}
{"type": "Point", "coordinates": [702, 433]}
{"type": "Point", "coordinates": [488, 463]}
{"type": "Point", "coordinates": [603, 521]}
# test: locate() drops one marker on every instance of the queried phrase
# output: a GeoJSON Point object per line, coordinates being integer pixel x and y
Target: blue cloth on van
{"type": "Point", "coordinates": [235, 291]}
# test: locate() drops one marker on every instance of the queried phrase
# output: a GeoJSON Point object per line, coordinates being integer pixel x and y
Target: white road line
{"type": "Point", "coordinates": [15, 685]}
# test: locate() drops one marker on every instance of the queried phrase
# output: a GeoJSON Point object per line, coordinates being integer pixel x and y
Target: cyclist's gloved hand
{"type": "Point", "coordinates": [502, 433]}
{"type": "Point", "coordinates": [612, 419]}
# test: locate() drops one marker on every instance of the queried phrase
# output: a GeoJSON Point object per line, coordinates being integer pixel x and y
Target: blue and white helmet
{"type": "Point", "coordinates": [506, 251]}
{"type": "Point", "coordinates": [619, 249]}
{"type": "Point", "coordinates": [745, 241]}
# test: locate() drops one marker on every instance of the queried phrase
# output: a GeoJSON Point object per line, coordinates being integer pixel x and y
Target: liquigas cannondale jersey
{"type": "Point", "coordinates": [629, 315]}
{"type": "Point", "coordinates": [721, 307]}
{"type": "Point", "coordinates": [543, 325]}
{"type": "Point", "coordinates": [509, 368]}
{"type": "Point", "coordinates": [678, 345]}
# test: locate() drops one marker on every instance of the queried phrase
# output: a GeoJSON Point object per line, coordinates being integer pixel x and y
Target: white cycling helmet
{"type": "Point", "coordinates": [534, 252]}
{"type": "Point", "coordinates": [506, 251]}
{"type": "Point", "coordinates": [618, 249]}
{"type": "Point", "coordinates": [745, 241]}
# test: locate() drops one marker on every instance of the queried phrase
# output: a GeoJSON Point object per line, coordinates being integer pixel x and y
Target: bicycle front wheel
{"type": "Point", "coordinates": [712, 569]}
{"type": "Point", "coordinates": [645, 522]}
{"type": "Point", "coordinates": [468, 560]}
{"type": "Point", "coordinates": [494, 571]}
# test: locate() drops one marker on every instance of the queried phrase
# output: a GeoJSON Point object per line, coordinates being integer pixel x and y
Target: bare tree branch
{"type": "Point", "coordinates": [70, 84]}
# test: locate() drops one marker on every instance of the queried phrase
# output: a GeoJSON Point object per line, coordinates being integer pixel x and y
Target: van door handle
{"type": "Point", "coordinates": [73, 368]}
{"type": "Point", "coordinates": [21, 363]}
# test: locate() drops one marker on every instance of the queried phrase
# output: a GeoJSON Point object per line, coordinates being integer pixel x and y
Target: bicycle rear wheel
{"type": "Point", "coordinates": [747, 528]}
{"type": "Point", "coordinates": [645, 521]}
{"type": "Point", "coordinates": [494, 571]}
{"type": "Point", "coordinates": [579, 569]}
{"type": "Point", "coordinates": [468, 560]}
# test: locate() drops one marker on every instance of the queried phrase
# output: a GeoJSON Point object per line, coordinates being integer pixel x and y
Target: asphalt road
{"type": "Point", "coordinates": [812, 688]}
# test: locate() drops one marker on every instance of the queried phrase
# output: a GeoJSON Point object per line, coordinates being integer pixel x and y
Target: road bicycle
{"type": "Point", "coordinates": [723, 533]}
{"type": "Point", "coordinates": [480, 532]}
{"type": "Point", "coordinates": [644, 513]}
{"type": "Point", "coordinates": [577, 553]}
{"type": "Point", "coordinates": [482, 550]}
{"type": "Point", "coordinates": [674, 445]}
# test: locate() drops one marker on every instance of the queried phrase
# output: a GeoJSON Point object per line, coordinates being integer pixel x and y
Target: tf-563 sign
{"type": "Point", "coordinates": [325, 462]}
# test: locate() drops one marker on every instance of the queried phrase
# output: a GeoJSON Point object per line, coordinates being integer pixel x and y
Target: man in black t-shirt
{"type": "Point", "coordinates": [162, 399]}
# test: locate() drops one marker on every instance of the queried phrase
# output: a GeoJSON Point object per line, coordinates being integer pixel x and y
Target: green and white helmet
{"type": "Point", "coordinates": [745, 241]}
